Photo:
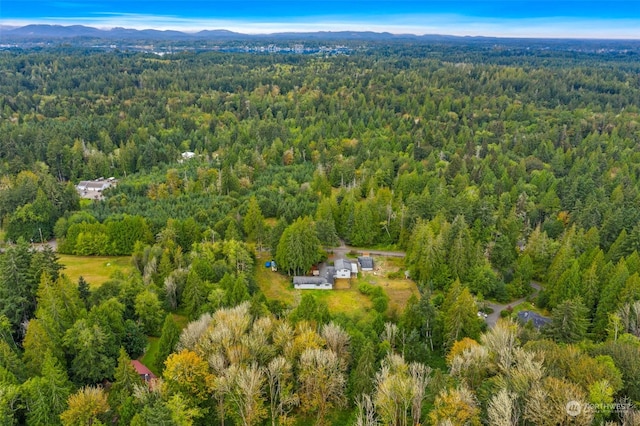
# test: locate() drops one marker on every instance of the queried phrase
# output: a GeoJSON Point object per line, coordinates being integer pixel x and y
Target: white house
{"type": "Point", "coordinates": [92, 189]}
{"type": "Point", "coordinates": [343, 268]}
{"type": "Point", "coordinates": [311, 283]}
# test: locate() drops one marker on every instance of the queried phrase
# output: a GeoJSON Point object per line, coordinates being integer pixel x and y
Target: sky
{"type": "Point", "coordinates": [502, 18]}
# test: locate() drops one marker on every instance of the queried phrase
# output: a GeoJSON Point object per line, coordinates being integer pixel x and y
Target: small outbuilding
{"type": "Point", "coordinates": [366, 263]}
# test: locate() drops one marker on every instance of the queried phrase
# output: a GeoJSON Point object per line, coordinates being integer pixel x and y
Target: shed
{"type": "Point", "coordinates": [366, 263]}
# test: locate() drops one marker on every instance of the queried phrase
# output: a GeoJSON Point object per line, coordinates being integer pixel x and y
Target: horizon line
{"type": "Point", "coordinates": [419, 25]}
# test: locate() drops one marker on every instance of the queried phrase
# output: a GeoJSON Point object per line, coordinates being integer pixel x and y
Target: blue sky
{"type": "Point", "coordinates": [551, 18]}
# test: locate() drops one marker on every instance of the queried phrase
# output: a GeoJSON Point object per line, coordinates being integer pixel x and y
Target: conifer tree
{"type": "Point", "coordinates": [123, 388]}
{"type": "Point", "coordinates": [47, 394]}
{"type": "Point", "coordinates": [253, 222]}
{"type": "Point", "coordinates": [460, 314]}
{"type": "Point", "coordinates": [83, 290]}
{"type": "Point", "coordinates": [569, 321]}
{"type": "Point", "coordinates": [168, 340]}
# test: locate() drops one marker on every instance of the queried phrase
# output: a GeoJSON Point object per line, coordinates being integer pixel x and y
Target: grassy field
{"type": "Point", "coordinates": [399, 290]}
{"type": "Point", "coordinates": [153, 345]}
{"type": "Point", "coordinates": [94, 269]}
{"type": "Point", "coordinates": [528, 306]}
{"type": "Point", "coordinates": [149, 357]}
{"type": "Point", "coordinates": [274, 285]}
{"type": "Point", "coordinates": [348, 301]}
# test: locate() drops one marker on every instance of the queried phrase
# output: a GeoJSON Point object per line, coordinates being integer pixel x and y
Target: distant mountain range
{"type": "Point", "coordinates": [40, 32]}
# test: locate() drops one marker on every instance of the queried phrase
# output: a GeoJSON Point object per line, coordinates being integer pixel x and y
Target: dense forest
{"type": "Point", "coordinates": [502, 173]}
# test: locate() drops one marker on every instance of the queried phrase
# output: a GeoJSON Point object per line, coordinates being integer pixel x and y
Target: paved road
{"type": "Point", "coordinates": [344, 249]}
{"type": "Point", "coordinates": [40, 246]}
{"type": "Point", "coordinates": [492, 318]}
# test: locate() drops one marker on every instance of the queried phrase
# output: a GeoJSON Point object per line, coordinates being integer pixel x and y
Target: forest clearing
{"type": "Point", "coordinates": [96, 270]}
{"type": "Point", "coordinates": [346, 299]}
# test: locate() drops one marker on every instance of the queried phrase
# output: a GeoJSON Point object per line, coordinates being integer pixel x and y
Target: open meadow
{"type": "Point", "coordinates": [96, 270]}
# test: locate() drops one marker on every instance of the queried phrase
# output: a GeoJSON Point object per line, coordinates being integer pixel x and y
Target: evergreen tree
{"type": "Point", "coordinates": [253, 222]}
{"type": "Point", "coordinates": [47, 394]}
{"type": "Point", "coordinates": [363, 373]}
{"type": "Point", "coordinates": [275, 235]}
{"type": "Point", "coordinates": [149, 312]}
{"type": "Point", "coordinates": [461, 251]}
{"type": "Point", "coordinates": [609, 297]}
{"type": "Point", "coordinates": [108, 316]}
{"type": "Point", "coordinates": [84, 291]}
{"type": "Point", "coordinates": [134, 339]}
{"type": "Point", "coordinates": [195, 294]}
{"type": "Point", "coordinates": [569, 321]}
{"type": "Point", "coordinates": [299, 247]}
{"type": "Point", "coordinates": [124, 385]}
{"type": "Point", "coordinates": [44, 261]}
{"type": "Point", "coordinates": [236, 292]}
{"type": "Point", "coordinates": [325, 223]}
{"type": "Point", "coordinates": [10, 363]}
{"type": "Point", "coordinates": [366, 227]}
{"type": "Point", "coordinates": [310, 309]}
{"type": "Point", "coordinates": [459, 312]}
{"type": "Point", "coordinates": [168, 340]}
{"type": "Point", "coordinates": [17, 288]}
{"type": "Point", "coordinates": [85, 344]}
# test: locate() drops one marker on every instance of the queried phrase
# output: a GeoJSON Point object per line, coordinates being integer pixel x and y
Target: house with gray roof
{"type": "Point", "coordinates": [536, 319]}
{"type": "Point", "coordinates": [311, 283]}
{"type": "Point", "coordinates": [366, 263]}
{"type": "Point", "coordinates": [93, 189]}
{"type": "Point", "coordinates": [343, 268]}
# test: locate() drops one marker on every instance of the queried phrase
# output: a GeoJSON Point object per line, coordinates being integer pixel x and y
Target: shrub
{"type": "Point", "coordinates": [380, 303]}
{"type": "Point", "coordinates": [365, 288]}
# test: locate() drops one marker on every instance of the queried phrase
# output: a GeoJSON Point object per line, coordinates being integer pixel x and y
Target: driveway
{"type": "Point", "coordinates": [53, 244]}
{"type": "Point", "coordinates": [492, 318]}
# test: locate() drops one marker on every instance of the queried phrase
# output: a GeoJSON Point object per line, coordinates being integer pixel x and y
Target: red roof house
{"type": "Point", "coordinates": [143, 371]}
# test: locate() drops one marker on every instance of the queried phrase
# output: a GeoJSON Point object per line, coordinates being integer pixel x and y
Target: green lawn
{"type": "Point", "coordinates": [180, 319]}
{"type": "Point", "coordinates": [149, 357]}
{"type": "Point", "coordinates": [94, 269]}
{"type": "Point", "coordinates": [528, 306]}
{"type": "Point", "coordinates": [153, 345]}
{"type": "Point", "coordinates": [348, 301]}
